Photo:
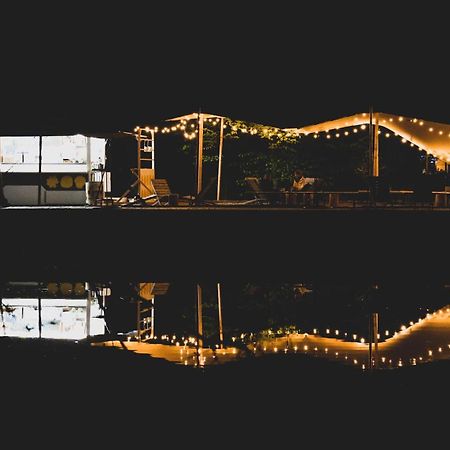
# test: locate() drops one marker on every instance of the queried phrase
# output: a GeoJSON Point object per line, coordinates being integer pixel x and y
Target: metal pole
{"type": "Point", "coordinates": [376, 163]}
{"type": "Point", "coordinates": [375, 338]}
{"type": "Point", "coordinates": [139, 159]}
{"type": "Point", "coordinates": [40, 172]}
{"type": "Point", "coordinates": [219, 307]}
{"type": "Point", "coordinates": [88, 312]}
{"type": "Point", "coordinates": [200, 153]}
{"type": "Point", "coordinates": [219, 168]}
{"type": "Point", "coordinates": [40, 314]}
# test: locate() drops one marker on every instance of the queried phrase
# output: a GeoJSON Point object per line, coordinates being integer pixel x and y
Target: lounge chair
{"type": "Point", "coordinates": [260, 197]}
{"type": "Point", "coordinates": [164, 196]}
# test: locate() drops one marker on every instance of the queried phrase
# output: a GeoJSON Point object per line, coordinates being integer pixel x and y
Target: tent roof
{"type": "Point", "coordinates": [433, 137]}
{"type": "Point", "coordinates": [195, 116]}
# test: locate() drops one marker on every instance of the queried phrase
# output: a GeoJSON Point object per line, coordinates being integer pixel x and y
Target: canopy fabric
{"type": "Point", "coordinates": [193, 116]}
{"type": "Point", "coordinates": [433, 137]}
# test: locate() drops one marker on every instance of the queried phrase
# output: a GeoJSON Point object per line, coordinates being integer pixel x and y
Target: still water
{"type": "Point", "coordinates": [384, 326]}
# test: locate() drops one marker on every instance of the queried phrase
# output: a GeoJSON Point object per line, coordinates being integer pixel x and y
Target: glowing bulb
{"type": "Point", "coordinates": [355, 130]}
{"type": "Point", "coordinates": [388, 135]}
{"type": "Point", "coordinates": [421, 123]}
{"type": "Point", "coordinates": [328, 136]}
{"type": "Point", "coordinates": [354, 337]}
{"type": "Point", "coordinates": [336, 332]}
{"type": "Point", "coordinates": [411, 323]}
{"type": "Point", "coordinates": [403, 141]}
{"type": "Point", "coordinates": [362, 340]}
{"type": "Point", "coordinates": [403, 328]}
{"type": "Point", "coordinates": [411, 145]}
{"type": "Point", "coordinates": [355, 361]}
{"type": "Point", "coordinates": [328, 331]}
{"type": "Point", "coordinates": [441, 132]}
{"type": "Point", "coordinates": [414, 120]}
{"type": "Point", "coordinates": [383, 359]}
{"type": "Point", "coordinates": [391, 119]}
{"type": "Point", "coordinates": [305, 347]}
{"type": "Point", "coordinates": [346, 133]}
{"type": "Point", "coordinates": [316, 136]}
{"type": "Point", "coordinates": [440, 349]}
{"type": "Point", "coordinates": [430, 129]}
{"type": "Point", "coordinates": [400, 119]}
{"type": "Point", "coordinates": [315, 331]}
{"type": "Point", "coordinates": [430, 352]}
{"type": "Point", "coordinates": [337, 135]}
{"type": "Point", "coordinates": [363, 127]}
{"type": "Point", "coordinates": [275, 349]}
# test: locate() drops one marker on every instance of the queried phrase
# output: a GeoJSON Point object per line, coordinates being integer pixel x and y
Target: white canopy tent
{"type": "Point", "coordinates": [432, 137]}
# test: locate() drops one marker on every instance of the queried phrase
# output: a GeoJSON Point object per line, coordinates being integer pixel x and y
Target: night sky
{"type": "Point", "coordinates": [83, 70]}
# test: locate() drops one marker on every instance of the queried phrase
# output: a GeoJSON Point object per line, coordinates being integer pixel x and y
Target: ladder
{"type": "Point", "coordinates": [145, 312]}
{"type": "Point", "coordinates": [145, 160]}
{"type": "Point", "coordinates": [146, 308]}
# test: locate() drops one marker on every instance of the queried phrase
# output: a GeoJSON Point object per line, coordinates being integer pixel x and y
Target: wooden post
{"type": "Point", "coordinates": [375, 338]}
{"type": "Point", "coordinates": [371, 141]}
{"type": "Point", "coordinates": [199, 317]}
{"type": "Point", "coordinates": [376, 163]}
{"type": "Point", "coordinates": [369, 358]}
{"type": "Point", "coordinates": [88, 157]}
{"type": "Point", "coordinates": [152, 331]}
{"type": "Point", "coordinates": [138, 320]}
{"type": "Point", "coordinates": [139, 158]}
{"type": "Point", "coordinates": [200, 153]}
{"type": "Point", "coordinates": [219, 307]}
{"type": "Point", "coordinates": [219, 168]}
{"type": "Point", "coordinates": [40, 172]}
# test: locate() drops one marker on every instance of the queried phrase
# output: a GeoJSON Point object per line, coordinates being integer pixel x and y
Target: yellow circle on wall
{"type": "Point", "coordinates": [67, 288]}
{"type": "Point", "coordinates": [66, 182]}
{"type": "Point", "coordinates": [80, 182]}
{"type": "Point", "coordinates": [52, 288]}
{"type": "Point", "coordinates": [79, 289]}
{"type": "Point", "coordinates": [52, 181]}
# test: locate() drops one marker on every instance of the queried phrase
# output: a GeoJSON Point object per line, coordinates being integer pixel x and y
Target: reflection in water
{"type": "Point", "coordinates": [209, 324]}
{"type": "Point", "coordinates": [51, 310]}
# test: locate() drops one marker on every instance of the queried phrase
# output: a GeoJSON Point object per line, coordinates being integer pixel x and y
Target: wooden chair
{"type": "Point", "coordinates": [164, 196]}
{"type": "Point", "coordinates": [255, 188]}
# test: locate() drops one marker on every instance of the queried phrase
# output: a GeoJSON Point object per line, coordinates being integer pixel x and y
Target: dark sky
{"type": "Point", "coordinates": [87, 70]}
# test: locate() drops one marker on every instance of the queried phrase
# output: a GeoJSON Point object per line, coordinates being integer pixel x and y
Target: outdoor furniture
{"type": "Point", "coordinates": [164, 196]}
{"type": "Point", "coordinates": [260, 196]}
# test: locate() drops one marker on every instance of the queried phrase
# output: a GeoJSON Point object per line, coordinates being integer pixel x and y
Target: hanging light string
{"type": "Point", "coordinates": [188, 128]}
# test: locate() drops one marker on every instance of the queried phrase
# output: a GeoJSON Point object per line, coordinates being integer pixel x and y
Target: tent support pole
{"type": "Point", "coordinates": [200, 154]}
{"type": "Point", "coordinates": [219, 168]}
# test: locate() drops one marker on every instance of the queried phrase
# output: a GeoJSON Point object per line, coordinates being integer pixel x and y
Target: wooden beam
{"type": "Point", "coordinates": [200, 154]}
{"type": "Point", "coordinates": [376, 161]}
{"type": "Point", "coordinates": [219, 168]}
